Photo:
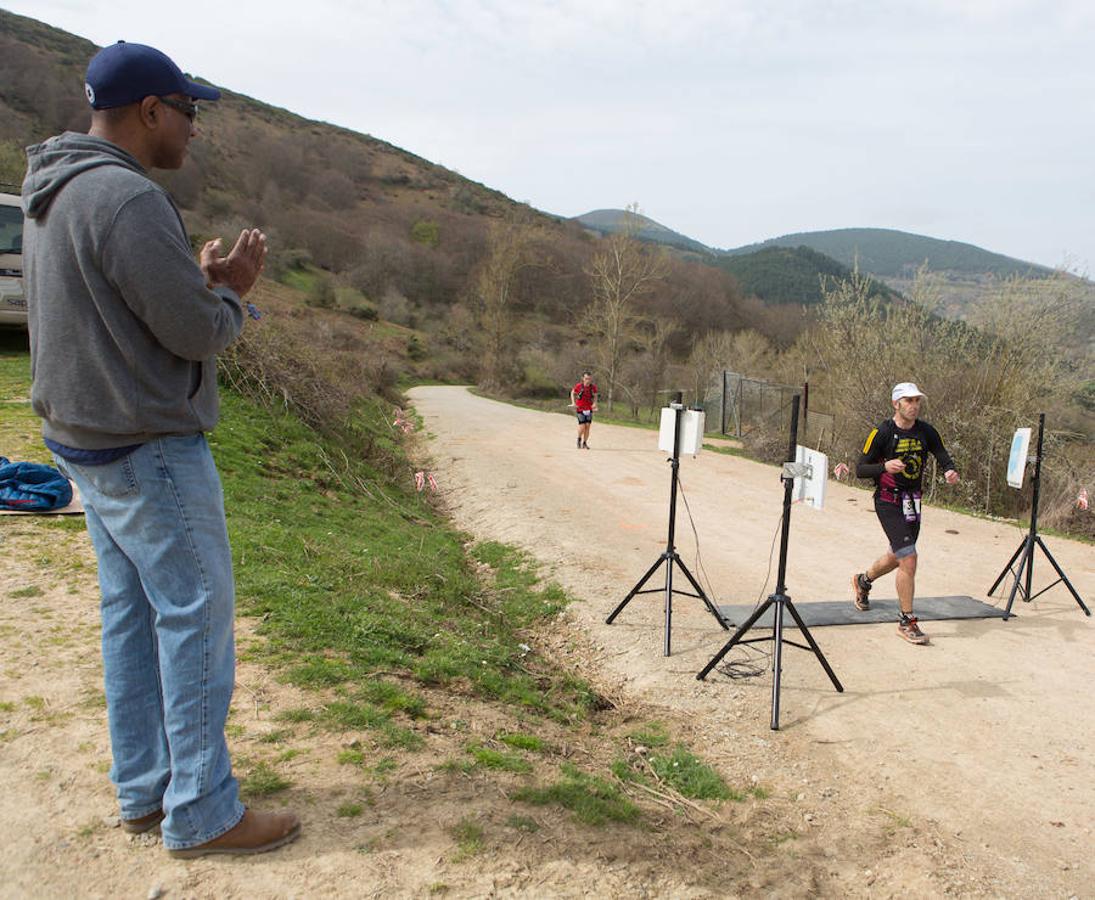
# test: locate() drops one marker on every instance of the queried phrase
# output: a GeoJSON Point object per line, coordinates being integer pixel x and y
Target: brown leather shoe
{"type": "Point", "coordinates": [144, 823]}
{"type": "Point", "coordinates": [255, 833]}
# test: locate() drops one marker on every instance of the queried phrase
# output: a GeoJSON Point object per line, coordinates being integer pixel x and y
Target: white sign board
{"type": "Point", "coordinates": [1017, 459]}
{"type": "Point", "coordinates": [691, 431]}
{"type": "Point", "coordinates": [810, 489]}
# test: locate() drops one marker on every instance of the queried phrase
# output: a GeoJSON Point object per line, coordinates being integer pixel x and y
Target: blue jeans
{"type": "Point", "coordinates": [156, 520]}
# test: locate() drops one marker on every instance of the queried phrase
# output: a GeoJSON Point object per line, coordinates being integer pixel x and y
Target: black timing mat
{"type": "Point", "coordinates": [843, 612]}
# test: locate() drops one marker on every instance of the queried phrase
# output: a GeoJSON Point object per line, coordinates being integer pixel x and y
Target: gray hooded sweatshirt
{"type": "Point", "coordinates": [123, 330]}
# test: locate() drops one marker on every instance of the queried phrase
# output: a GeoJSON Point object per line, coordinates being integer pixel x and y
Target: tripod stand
{"type": "Point", "coordinates": [779, 599]}
{"type": "Point", "coordinates": [1026, 548]}
{"type": "Point", "coordinates": [670, 557]}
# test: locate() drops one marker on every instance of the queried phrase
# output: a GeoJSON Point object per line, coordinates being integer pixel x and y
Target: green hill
{"type": "Point", "coordinates": [788, 274]}
{"type": "Point", "coordinates": [898, 254]}
{"type": "Point", "coordinates": [611, 221]}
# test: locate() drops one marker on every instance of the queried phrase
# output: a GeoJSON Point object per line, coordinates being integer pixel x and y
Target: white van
{"type": "Point", "coordinates": [13, 305]}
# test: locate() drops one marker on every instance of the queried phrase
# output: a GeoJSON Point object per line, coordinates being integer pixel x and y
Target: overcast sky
{"type": "Point", "coordinates": [731, 122]}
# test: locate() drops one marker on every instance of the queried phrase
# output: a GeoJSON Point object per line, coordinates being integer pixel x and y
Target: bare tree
{"type": "Point", "coordinates": [621, 271]}
{"type": "Point", "coordinates": [495, 291]}
{"type": "Point", "coordinates": [711, 353]}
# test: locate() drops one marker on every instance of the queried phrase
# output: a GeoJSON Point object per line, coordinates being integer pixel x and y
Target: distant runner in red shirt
{"type": "Point", "coordinates": [583, 398]}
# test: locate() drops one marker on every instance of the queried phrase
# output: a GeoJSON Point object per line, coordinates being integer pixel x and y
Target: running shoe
{"type": "Point", "coordinates": [585, 446]}
{"type": "Point", "coordinates": [579, 443]}
{"type": "Point", "coordinates": [862, 593]}
{"type": "Point", "coordinates": [909, 629]}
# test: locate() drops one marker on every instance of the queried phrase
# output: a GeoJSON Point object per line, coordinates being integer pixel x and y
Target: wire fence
{"type": "Point", "coordinates": [746, 406]}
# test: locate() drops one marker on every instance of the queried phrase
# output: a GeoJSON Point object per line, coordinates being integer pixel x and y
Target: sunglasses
{"type": "Point", "coordinates": [190, 110]}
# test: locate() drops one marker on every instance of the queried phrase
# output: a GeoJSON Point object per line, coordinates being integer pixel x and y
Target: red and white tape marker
{"type": "Point", "coordinates": [421, 479]}
{"type": "Point", "coordinates": [402, 422]}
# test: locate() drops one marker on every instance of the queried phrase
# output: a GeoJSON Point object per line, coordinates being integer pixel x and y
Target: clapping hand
{"type": "Point", "coordinates": [240, 269]}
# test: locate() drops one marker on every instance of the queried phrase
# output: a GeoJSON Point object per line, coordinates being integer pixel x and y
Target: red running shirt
{"type": "Point", "coordinates": [585, 395]}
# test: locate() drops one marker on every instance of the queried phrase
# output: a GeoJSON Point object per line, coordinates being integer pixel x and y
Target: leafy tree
{"type": "Point", "coordinates": [322, 294]}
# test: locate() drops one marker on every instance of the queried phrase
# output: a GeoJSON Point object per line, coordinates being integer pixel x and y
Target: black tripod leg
{"type": "Point", "coordinates": [777, 662]}
{"type": "Point", "coordinates": [667, 645]}
{"type": "Point", "coordinates": [1062, 575]}
{"type": "Point", "coordinates": [737, 636]}
{"type": "Point", "coordinates": [1027, 550]}
{"type": "Point", "coordinates": [1006, 568]}
{"type": "Point", "coordinates": [635, 589]}
{"type": "Point", "coordinates": [711, 608]}
{"type": "Point", "coordinates": [813, 646]}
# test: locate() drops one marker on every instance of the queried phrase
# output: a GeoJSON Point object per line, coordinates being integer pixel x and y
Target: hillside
{"type": "Point", "coordinates": [898, 254]}
{"type": "Point", "coordinates": [366, 226]}
{"type": "Point", "coordinates": [612, 221]}
{"type": "Point", "coordinates": [779, 274]}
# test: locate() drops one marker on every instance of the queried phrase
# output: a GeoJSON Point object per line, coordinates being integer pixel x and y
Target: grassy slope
{"type": "Point", "coordinates": [386, 618]}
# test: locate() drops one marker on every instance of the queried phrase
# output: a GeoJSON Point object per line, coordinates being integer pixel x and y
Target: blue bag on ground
{"type": "Point", "coordinates": [32, 487]}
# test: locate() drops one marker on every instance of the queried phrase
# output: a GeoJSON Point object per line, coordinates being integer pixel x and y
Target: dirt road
{"type": "Point", "coordinates": [989, 731]}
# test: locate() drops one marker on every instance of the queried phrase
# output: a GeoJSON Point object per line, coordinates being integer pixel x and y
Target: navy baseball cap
{"type": "Point", "coordinates": [126, 73]}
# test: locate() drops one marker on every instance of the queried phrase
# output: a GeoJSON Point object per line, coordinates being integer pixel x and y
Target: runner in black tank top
{"type": "Point", "coordinates": [894, 456]}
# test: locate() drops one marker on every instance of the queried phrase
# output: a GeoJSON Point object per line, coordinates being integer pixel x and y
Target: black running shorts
{"type": "Point", "coordinates": [902, 535]}
{"type": "Point", "coordinates": [585, 415]}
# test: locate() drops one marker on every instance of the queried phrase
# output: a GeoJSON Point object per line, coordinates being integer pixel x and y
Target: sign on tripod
{"type": "Point", "coordinates": [811, 476]}
{"type": "Point", "coordinates": [1017, 459]}
{"type": "Point", "coordinates": [691, 430]}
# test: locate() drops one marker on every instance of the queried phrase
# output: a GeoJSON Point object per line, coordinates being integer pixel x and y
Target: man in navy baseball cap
{"type": "Point", "coordinates": [125, 329]}
{"type": "Point", "coordinates": [125, 73]}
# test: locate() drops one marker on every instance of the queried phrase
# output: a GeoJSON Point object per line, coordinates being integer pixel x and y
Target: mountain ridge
{"type": "Point", "coordinates": [884, 252]}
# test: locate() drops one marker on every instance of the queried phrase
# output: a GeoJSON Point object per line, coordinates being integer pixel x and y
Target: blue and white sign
{"type": "Point", "coordinates": [1017, 460]}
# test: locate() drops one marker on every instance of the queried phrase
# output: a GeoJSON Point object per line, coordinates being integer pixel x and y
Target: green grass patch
{"type": "Point", "coordinates": [468, 835]}
{"type": "Point", "coordinates": [317, 672]}
{"type": "Point", "coordinates": [66, 523]}
{"type": "Point", "coordinates": [521, 741]}
{"type": "Point", "coordinates": [465, 766]}
{"type": "Point", "coordinates": [385, 766]}
{"type": "Point", "coordinates": [31, 590]}
{"type": "Point", "coordinates": [526, 824]}
{"type": "Point", "coordinates": [623, 770]}
{"type": "Point", "coordinates": [691, 777]}
{"type": "Point", "coordinates": [277, 736]}
{"type": "Point", "coordinates": [348, 715]}
{"type": "Point", "coordinates": [652, 735]}
{"type": "Point", "coordinates": [392, 698]}
{"type": "Point", "coordinates": [727, 450]}
{"type": "Point", "coordinates": [351, 757]}
{"type": "Point", "coordinates": [592, 800]}
{"type": "Point", "coordinates": [303, 279]}
{"type": "Point", "coordinates": [262, 781]}
{"type": "Point", "coordinates": [350, 810]}
{"type": "Point", "coordinates": [298, 714]}
{"type": "Point", "coordinates": [487, 758]}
